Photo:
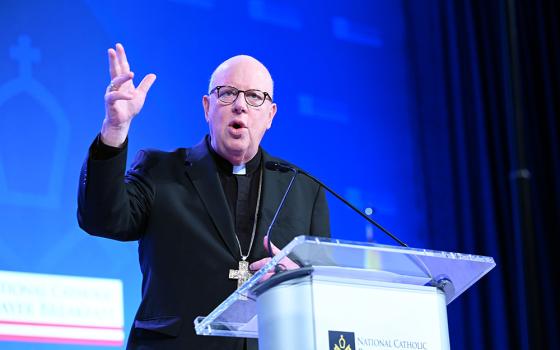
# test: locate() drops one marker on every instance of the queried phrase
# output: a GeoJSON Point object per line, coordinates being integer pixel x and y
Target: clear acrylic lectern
{"type": "Point", "coordinates": [348, 295]}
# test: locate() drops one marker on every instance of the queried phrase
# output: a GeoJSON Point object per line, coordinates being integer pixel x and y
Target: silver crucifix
{"type": "Point", "coordinates": [241, 275]}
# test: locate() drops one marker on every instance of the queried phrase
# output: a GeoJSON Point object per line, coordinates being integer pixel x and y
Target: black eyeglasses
{"type": "Point", "coordinates": [228, 95]}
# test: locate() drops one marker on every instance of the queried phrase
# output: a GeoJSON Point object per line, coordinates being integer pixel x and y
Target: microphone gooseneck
{"type": "Point", "coordinates": [276, 166]}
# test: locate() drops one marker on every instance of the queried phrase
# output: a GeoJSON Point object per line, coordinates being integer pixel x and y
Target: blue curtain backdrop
{"type": "Point", "coordinates": [441, 116]}
{"type": "Point", "coordinates": [487, 95]}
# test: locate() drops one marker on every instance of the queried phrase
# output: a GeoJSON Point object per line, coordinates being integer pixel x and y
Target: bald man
{"type": "Point", "coordinates": [196, 212]}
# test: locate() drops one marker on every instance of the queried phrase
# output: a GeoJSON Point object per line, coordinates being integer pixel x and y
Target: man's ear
{"type": "Point", "coordinates": [271, 114]}
{"type": "Point", "coordinates": [206, 106]}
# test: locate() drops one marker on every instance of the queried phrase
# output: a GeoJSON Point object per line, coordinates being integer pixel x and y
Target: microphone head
{"type": "Point", "coordinates": [275, 166]}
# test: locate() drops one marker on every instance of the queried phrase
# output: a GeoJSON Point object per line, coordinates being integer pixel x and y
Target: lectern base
{"type": "Point", "coordinates": [320, 311]}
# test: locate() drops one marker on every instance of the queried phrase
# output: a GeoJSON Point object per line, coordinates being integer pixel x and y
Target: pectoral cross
{"type": "Point", "coordinates": [241, 275]}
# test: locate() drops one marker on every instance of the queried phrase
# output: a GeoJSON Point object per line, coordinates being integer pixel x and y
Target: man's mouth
{"type": "Point", "coordinates": [237, 125]}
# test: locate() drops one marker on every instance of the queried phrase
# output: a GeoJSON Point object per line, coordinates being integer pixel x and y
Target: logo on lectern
{"type": "Point", "coordinates": [341, 340]}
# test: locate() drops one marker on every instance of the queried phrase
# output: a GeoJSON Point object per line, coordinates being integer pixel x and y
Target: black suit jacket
{"type": "Point", "coordinates": [174, 205]}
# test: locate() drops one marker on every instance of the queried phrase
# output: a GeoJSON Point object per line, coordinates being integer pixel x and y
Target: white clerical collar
{"type": "Point", "coordinates": [239, 170]}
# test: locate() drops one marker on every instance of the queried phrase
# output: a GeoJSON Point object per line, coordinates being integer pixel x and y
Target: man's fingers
{"type": "Point", "coordinates": [121, 59]}
{"type": "Point", "coordinates": [146, 83]}
{"type": "Point", "coordinates": [114, 68]}
{"type": "Point", "coordinates": [119, 80]}
{"type": "Point", "coordinates": [289, 264]}
{"type": "Point", "coordinates": [120, 73]}
{"type": "Point", "coordinates": [257, 265]}
{"type": "Point", "coordinates": [275, 250]}
{"type": "Point", "coordinates": [266, 276]}
{"type": "Point", "coordinates": [113, 96]}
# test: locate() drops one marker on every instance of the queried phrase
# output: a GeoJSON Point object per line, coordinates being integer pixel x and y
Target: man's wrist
{"type": "Point", "coordinates": [114, 136]}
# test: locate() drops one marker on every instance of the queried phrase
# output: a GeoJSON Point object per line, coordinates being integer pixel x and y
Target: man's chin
{"type": "Point", "coordinates": [238, 151]}
{"type": "Point", "coordinates": [237, 146]}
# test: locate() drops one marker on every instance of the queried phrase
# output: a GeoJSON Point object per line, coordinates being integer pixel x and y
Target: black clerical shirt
{"type": "Point", "coordinates": [241, 193]}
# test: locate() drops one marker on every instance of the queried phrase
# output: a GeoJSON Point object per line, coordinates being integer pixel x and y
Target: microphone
{"type": "Point", "coordinates": [276, 166]}
{"type": "Point", "coordinates": [283, 168]}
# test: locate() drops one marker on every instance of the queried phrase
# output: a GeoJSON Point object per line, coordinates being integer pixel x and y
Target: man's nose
{"type": "Point", "coordinates": [240, 105]}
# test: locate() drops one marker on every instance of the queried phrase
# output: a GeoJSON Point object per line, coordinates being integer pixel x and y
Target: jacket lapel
{"type": "Point", "coordinates": [202, 171]}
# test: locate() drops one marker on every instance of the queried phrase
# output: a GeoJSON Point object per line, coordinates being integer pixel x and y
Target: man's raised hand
{"type": "Point", "coordinates": [123, 101]}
